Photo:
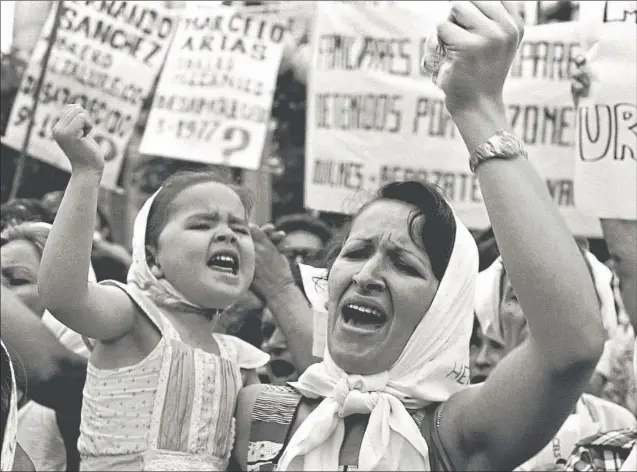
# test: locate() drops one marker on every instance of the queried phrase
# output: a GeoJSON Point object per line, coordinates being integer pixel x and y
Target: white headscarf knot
{"type": "Point", "coordinates": [355, 396]}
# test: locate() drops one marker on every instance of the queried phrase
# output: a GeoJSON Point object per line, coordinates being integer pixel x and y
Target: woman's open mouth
{"type": "Point", "coordinates": [363, 316]}
{"type": "Point", "coordinates": [224, 261]}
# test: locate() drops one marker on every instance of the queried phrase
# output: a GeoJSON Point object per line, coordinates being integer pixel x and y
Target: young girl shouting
{"type": "Point", "coordinates": [161, 388]}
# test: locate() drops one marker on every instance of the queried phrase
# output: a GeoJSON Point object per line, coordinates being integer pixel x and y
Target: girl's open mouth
{"type": "Point", "coordinates": [226, 262]}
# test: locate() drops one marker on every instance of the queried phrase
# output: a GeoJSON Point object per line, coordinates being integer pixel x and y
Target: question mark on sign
{"type": "Point", "coordinates": [241, 143]}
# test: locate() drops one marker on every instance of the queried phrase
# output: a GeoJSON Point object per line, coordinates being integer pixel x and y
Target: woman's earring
{"type": "Point", "coordinates": [156, 271]}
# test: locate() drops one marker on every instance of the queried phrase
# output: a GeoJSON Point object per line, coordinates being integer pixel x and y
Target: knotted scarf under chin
{"type": "Point", "coordinates": [432, 367]}
{"type": "Point", "coordinates": [392, 425]}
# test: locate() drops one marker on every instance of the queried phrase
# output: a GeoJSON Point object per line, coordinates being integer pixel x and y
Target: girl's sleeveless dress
{"type": "Point", "coordinates": [171, 411]}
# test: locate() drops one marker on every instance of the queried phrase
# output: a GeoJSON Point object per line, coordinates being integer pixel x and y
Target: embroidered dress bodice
{"type": "Point", "coordinates": [171, 411]}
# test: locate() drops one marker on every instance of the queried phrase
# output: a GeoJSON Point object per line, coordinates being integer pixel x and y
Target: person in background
{"type": "Point", "coordinates": [49, 373]}
{"type": "Point", "coordinates": [21, 251]}
{"type": "Point", "coordinates": [21, 210]}
{"type": "Point", "coordinates": [243, 319]}
{"type": "Point", "coordinates": [500, 327]}
{"type": "Point", "coordinates": [487, 248]}
{"type": "Point", "coordinates": [110, 260]}
{"type": "Point", "coordinates": [613, 379]}
{"type": "Point", "coordinates": [282, 367]}
{"type": "Point", "coordinates": [615, 450]}
{"type": "Point", "coordinates": [12, 456]}
{"type": "Point", "coordinates": [305, 237]}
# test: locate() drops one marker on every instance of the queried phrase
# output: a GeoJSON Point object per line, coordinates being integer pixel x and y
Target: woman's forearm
{"type": "Point", "coordinates": [50, 373]}
{"type": "Point", "coordinates": [546, 268]}
{"type": "Point", "coordinates": [295, 317]}
{"type": "Point", "coordinates": [64, 269]}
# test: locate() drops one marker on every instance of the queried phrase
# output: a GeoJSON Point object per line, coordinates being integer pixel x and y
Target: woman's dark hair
{"type": "Point", "coordinates": [437, 233]}
{"type": "Point", "coordinates": [174, 185]}
{"type": "Point", "coordinates": [21, 210]}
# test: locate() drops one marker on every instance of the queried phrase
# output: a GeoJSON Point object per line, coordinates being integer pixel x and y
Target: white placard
{"type": "Point", "coordinates": [315, 287]}
{"type": "Point", "coordinates": [105, 58]}
{"type": "Point", "coordinates": [542, 113]}
{"type": "Point", "coordinates": [373, 117]}
{"type": "Point", "coordinates": [606, 163]}
{"type": "Point", "coordinates": [214, 96]}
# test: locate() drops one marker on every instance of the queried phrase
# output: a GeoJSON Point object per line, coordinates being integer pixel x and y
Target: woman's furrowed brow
{"type": "Point", "coordinates": [216, 216]}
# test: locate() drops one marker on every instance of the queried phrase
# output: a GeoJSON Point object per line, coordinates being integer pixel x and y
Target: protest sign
{"type": "Point", "coordinates": [606, 162]}
{"type": "Point", "coordinates": [542, 113]}
{"type": "Point", "coordinates": [373, 117]}
{"type": "Point", "coordinates": [214, 96]}
{"type": "Point", "coordinates": [315, 287]}
{"type": "Point", "coordinates": [105, 58]}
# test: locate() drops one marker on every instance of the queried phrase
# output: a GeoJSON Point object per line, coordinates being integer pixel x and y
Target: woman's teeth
{"type": "Point", "coordinates": [357, 315]}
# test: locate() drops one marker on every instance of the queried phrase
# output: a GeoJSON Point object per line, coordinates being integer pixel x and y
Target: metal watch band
{"type": "Point", "coordinates": [502, 145]}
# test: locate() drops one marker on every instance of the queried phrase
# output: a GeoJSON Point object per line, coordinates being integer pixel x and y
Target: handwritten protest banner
{"type": "Point", "coordinates": [295, 15]}
{"type": "Point", "coordinates": [373, 117]}
{"type": "Point", "coordinates": [606, 163]}
{"type": "Point", "coordinates": [542, 113]}
{"type": "Point", "coordinates": [214, 96]}
{"type": "Point", "coordinates": [105, 58]}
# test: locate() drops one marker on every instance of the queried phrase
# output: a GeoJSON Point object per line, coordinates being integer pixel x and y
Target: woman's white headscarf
{"type": "Point", "coordinates": [139, 273]}
{"type": "Point", "coordinates": [432, 367]}
{"type": "Point", "coordinates": [10, 438]}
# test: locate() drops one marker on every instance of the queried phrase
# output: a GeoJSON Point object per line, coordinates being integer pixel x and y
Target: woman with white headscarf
{"type": "Point", "coordinates": [501, 327]}
{"type": "Point", "coordinates": [390, 393]}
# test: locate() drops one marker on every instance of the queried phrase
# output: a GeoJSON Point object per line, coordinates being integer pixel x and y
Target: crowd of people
{"type": "Point", "coordinates": [511, 349]}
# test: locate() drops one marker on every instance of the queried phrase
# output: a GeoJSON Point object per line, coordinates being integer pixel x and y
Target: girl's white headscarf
{"type": "Point", "coordinates": [139, 273]}
{"type": "Point", "coordinates": [432, 367]}
{"type": "Point", "coordinates": [10, 439]}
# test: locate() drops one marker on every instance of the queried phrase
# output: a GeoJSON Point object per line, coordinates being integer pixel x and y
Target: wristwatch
{"type": "Point", "coordinates": [502, 145]}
